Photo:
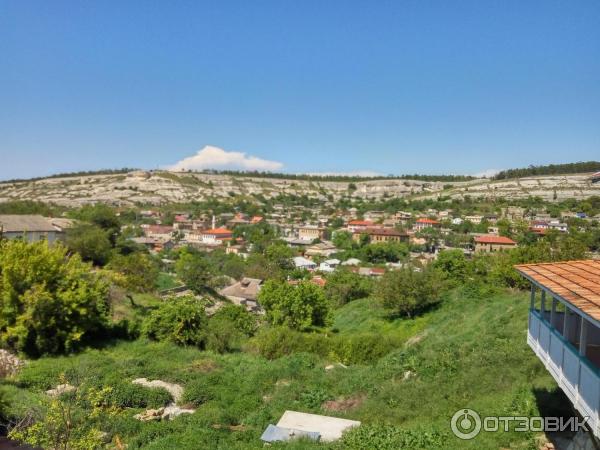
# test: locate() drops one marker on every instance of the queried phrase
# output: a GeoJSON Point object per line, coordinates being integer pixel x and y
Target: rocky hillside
{"type": "Point", "coordinates": [158, 187]}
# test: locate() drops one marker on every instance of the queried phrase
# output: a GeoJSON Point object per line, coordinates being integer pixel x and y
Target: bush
{"type": "Point", "coordinates": [51, 303]}
{"type": "Point", "coordinates": [386, 437]}
{"type": "Point", "coordinates": [298, 307]}
{"type": "Point", "coordinates": [273, 343]}
{"type": "Point", "coordinates": [180, 320]}
{"type": "Point", "coordinates": [344, 286]}
{"type": "Point", "coordinates": [91, 242]}
{"type": "Point", "coordinates": [129, 395]}
{"type": "Point", "coordinates": [408, 291]}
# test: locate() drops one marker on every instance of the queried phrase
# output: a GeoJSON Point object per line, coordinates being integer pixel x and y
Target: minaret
{"type": "Point", "coordinates": [214, 222]}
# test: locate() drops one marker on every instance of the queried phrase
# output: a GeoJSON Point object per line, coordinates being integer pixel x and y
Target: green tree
{"type": "Point", "coordinates": [298, 307]}
{"type": "Point", "coordinates": [453, 265]}
{"type": "Point", "coordinates": [181, 320]}
{"type": "Point", "coordinates": [280, 255]}
{"type": "Point", "coordinates": [136, 272]}
{"type": "Point", "coordinates": [344, 286]}
{"type": "Point", "coordinates": [194, 270]}
{"type": "Point", "coordinates": [50, 302]}
{"type": "Point", "coordinates": [408, 291]}
{"type": "Point", "coordinates": [62, 423]}
{"type": "Point", "coordinates": [91, 242]}
{"type": "Point", "coordinates": [343, 240]}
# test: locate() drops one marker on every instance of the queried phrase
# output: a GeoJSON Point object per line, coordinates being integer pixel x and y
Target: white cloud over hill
{"type": "Point", "coordinates": [211, 157]}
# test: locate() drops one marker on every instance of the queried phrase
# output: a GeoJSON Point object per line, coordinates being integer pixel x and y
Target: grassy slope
{"type": "Point", "coordinates": [472, 353]}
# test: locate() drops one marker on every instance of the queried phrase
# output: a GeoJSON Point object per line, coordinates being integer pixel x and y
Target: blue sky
{"type": "Point", "coordinates": [308, 86]}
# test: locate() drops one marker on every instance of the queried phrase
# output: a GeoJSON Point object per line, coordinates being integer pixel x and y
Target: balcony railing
{"type": "Point", "coordinates": [574, 373]}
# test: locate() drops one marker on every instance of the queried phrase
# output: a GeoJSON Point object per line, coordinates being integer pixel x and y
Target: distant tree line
{"type": "Point", "coordinates": [81, 173]}
{"type": "Point", "coordinates": [339, 178]}
{"type": "Point", "coordinates": [550, 169]}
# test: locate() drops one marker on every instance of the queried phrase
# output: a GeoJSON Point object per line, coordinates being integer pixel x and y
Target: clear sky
{"type": "Point", "coordinates": [309, 86]}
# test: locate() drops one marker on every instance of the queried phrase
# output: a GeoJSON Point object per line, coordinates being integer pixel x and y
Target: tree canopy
{"type": "Point", "coordinates": [51, 302]}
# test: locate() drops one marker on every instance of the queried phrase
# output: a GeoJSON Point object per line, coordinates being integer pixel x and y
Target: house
{"type": "Point", "coordinates": [162, 231]}
{"type": "Point", "coordinates": [29, 227]}
{"type": "Point", "coordinates": [154, 243]}
{"type": "Point", "coordinates": [351, 262]}
{"type": "Point", "coordinates": [403, 216]}
{"type": "Point", "coordinates": [424, 223]}
{"type": "Point", "coordinates": [513, 213]}
{"type": "Point", "coordinates": [564, 329]}
{"type": "Point", "coordinates": [558, 226]}
{"type": "Point", "coordinates": [495, 231]}
{"type": "Point", "coordinates": [215, 236]}
{"type": "Point", "coordinates": [381, 235]}
{"type": "Point", "coordinates": [329, 265]}
{"type": "Point", "coordinates": [244, 293]}
{"type": "Point", "coordinates": [310, 232]}
{"type": "Point", "coordinates": [539, 225]}
{"type": "Point", "coordinates": [444, 215]}
{"type": "Point", "coordinates": [374, 215]}
{"type": "Point", "coordinates": [238, 219]}
{"type": "Point", "coordinates": [489, 243]}
{"type": "Point", "coordinates": [321, 249]}
{"type": "Point", "coordinates": [369, 271]}
{"type": "Point", "coordinates": [474, 219]}
{"type": "Point", "coordinates": [457, 221]}
{"type": "Point", "coordinates": [302, 263]}
{"type": "Point", "coordinates": [358, 225]}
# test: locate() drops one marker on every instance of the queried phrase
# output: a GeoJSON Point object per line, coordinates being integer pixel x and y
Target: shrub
{"type": "Point", "coordinates": [298, 307]}
{"type": "Point", "coordinates": [129, 395]}
{"type": "Point", "coordinates": [91, 242]}
{"type": "Point", "coordinates": [180, 320]}
{"type": "Point", "coordinates": [344, 286]}
{"type": "Point", "coordinates": [386, 437]}
{"type": "Point", "coordinates": [273, 343]}
{"type": "Point", "coordinates": [408, 291]}
{"type": "Point", "coordinates": [50, 302]}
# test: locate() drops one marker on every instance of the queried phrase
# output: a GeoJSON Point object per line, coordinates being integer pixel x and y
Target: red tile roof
{"type": "Point", "coordinates": [159, 229]}
{"type": "Point", "coordinates": [577, 282]}
{"type": "Point", "coordinates": [218, 231]}
{"type": "Point", "coordinates": [360, 222]}
{"type": "Point", "coordinates": [429, 221]}
{"type": "Point", "coordinates": [490, 239]}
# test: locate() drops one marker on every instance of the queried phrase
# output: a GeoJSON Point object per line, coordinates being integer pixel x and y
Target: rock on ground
{"type": "Point", "coordinates": [175, 390]}
{"type": "Point", "coordinates": [9, 364]}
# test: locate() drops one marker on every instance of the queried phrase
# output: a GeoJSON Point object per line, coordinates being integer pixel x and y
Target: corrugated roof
{"type": "Point", "coordinates": [577, 282]}
{"type": "Point", "coordinates": [18, 223]}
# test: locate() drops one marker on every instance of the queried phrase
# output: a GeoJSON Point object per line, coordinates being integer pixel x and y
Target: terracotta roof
{"type": "Point", "coordinates": [217, 231]}
{"type": "Point", "coordinates": [490, 239]}
{"type": "Point", "coordinates": [577, 282]}
{"type": "Point", "coordinates": [159, 229]}
{"type": "Point", "coordinates": [431, 221]}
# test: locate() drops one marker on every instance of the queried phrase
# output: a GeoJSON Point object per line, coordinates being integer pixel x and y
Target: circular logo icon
{"type": "Point", "coordinates": [465, 424]}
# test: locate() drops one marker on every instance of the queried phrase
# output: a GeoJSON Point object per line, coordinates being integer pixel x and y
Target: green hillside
{"type": "Point", "coordinates": [470, 352]}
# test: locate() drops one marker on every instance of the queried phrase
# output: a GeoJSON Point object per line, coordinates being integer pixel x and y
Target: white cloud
{"type": "Point", "coordinates": [211, 157]}
{"type": "Point", "coordinates": [489, 173]}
